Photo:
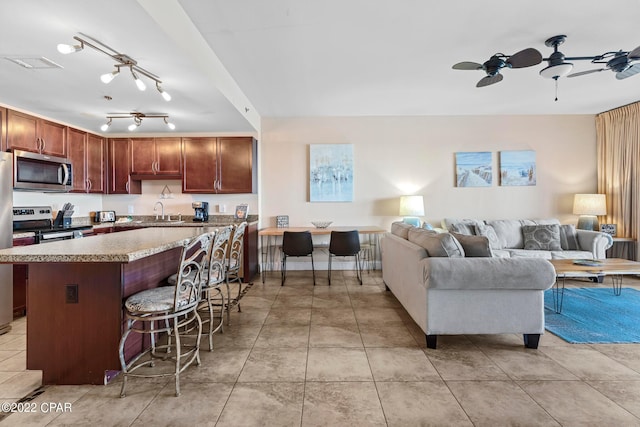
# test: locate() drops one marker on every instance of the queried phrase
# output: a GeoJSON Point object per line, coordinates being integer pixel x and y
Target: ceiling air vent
{"type": "Point", "coordinates": [33, 63]}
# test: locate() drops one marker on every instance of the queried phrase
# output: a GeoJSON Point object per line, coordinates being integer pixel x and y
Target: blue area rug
{"type": "Point", "coordinates": [595, 315]}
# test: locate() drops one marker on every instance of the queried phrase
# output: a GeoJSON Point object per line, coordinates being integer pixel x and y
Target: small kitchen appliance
{"type": "Point", "coordinates": [201, 211]}
{"type": "Point", "coordinates": [105, 216]}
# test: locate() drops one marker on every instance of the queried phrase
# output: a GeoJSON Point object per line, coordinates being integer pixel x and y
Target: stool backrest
{"type": "Point", "coordinates": [195, 255]}
{"type": "Point", "coordinates": [217, 269]}
{"type": "Point", "coordinates": [344, 243]}
{"type": "Point", "coordinates": [235, 248]}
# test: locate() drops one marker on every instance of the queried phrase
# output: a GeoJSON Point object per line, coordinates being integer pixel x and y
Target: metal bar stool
{"type": "Point", "coordinates": [296, 244]}
{"type": "Point", "coordinates": [234, 263]}
{"type": "Point", "coordinates": [345, 243]}
{"type": "Point", "coordinates": [174, 310]}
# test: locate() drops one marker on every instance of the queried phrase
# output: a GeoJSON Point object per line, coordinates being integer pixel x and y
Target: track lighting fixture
{"type": "Point", "coordinates": [121, 59]}
{"type": "Point", "coordinates": [137, 120]}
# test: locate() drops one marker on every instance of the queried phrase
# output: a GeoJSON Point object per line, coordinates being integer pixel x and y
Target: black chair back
{"type": "Point", "coordinates": [297, 243]}
{"type": "Point", "coordinates": [344, 243]}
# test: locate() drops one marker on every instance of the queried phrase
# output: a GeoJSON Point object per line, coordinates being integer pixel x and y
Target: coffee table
{"type": "Point", "coordinates": [616, 268]}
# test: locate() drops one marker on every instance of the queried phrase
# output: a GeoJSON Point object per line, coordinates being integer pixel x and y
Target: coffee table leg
{"type": "Point", "coordinates": [558, 294]}
{"type": "Point", "coordinates": [616, 283]}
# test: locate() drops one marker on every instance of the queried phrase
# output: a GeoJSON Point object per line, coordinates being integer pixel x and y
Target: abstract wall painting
{"type": "Point", "coordinates": [331, 172]}
{"type": "Point", "coordinates": [473, 169]}
{"type": "Point", "coordinates": [518, 168]}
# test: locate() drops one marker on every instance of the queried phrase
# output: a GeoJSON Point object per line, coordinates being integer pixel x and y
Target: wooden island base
{"type": "Point", "coordinates": [75, 318]}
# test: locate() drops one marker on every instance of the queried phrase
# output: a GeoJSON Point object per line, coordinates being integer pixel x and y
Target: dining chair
{"type": "Point", "coordinates": [170, 311]}
{"type": "Point", "coordinates": [296, 244]}
{"type": "Point", "coordinates": [345, 243]}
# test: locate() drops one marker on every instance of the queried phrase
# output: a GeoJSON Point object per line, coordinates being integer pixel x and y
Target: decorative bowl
{"type": "Point", "coordinates": [321, 224]}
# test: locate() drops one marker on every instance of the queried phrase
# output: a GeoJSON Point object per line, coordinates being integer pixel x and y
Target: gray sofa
{"type": "Point", "coordinates": [448, 293]}
{"type": "Point", "coordinates": [508, 238]}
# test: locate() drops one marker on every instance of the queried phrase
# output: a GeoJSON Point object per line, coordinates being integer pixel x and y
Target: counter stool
{"type": "Point", "coordinates": [171, 310]}
{"type": "Point", "coordinates": [345, 243]}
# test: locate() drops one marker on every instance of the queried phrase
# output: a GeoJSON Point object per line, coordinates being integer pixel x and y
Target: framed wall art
{"type": "Point", "coordinates": [473, 169]}
{"type": "Point", "coordinates": [518, 167]}
{"type": "Point", "coordinates": [331, 172]}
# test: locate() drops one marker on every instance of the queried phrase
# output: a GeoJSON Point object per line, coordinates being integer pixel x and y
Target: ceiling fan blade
{"type": "Point", "coordinates": [525, 58]}
{"type": "Point", "coordinates": [634, 54]}
{"type": "Point", "coordinates": [631, 71]}
{"type": "Point", "coordinates": [489, 80]}
{"type": "Point", "coordinates": [582, 73]}
{"type": "Point", "coordinates": [466, 65]}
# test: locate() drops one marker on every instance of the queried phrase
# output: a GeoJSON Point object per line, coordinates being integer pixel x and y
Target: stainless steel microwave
{"type": "Point", "coordinates": [41, 172]}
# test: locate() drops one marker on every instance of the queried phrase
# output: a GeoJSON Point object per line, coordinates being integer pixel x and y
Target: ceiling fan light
{"type": "Point", "coordinates": [66, 49]}
{"type": "Point", "coordinates": [106, 78]}
{"type": "Point", "coordinates": [556, 71]}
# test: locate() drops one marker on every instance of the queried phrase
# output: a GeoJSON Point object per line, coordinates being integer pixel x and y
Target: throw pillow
{"type": "Point", "coordinates": [439, 244]}
{"type": "Point", "coordinates": [474, 246]}
{"type": "Point", "coordinates": [400, 229]}
{"type": "Point", "coordinates": [462, 228]}
{"type": "Point", "coordinates": [569, 237]}
{"type": "Point", "coordinates": [490, 233]}
{"type": "Point", "coordinates": [542, 237]}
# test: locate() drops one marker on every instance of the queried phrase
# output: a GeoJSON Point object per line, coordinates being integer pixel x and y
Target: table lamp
{"type": "Point", "coordinates": [411, 207]}
{"type": "Point", "coordinates": [588, 206]}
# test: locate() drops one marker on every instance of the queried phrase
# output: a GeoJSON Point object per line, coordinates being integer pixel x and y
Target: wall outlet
{"type": "Point", "coordinates": [222, 208]}
{"type": "Point", "coordinates": [71, 294]}
{"type": "Point", "coordinates": [130, 209]}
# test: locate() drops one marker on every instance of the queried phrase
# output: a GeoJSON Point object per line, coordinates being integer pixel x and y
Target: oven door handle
{"type": "Point", "coordinates": [59, 235]}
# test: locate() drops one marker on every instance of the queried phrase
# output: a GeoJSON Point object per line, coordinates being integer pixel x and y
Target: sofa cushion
{"type": "Point", "coordinates": [474, 246]}
{"type": "Point", "coordinates": [571, 254]}
{"type": "Point", "coordinates": [401, 229]}
{"type": "Point", "coordinates": [509, 231]}
{"type": "Point", "coordinates": [438, 244]}
{"type": "Point", "coordinates": [568, 237]}
{"type": "Point", "coordinates": [490, 233]}
{"type": "Point", "coordinates": [541, 237]}
{"type": "Point", "coordinates": [524, 253]}
{"type": "Point", "coordinates": [419, 236]}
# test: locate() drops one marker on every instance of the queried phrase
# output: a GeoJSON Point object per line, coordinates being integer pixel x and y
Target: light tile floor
{"type": "Point", "coordinates": [349, 355]}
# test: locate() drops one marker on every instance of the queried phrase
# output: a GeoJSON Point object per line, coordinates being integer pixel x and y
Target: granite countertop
{"type": "Point", "coordinates": [125, 246]}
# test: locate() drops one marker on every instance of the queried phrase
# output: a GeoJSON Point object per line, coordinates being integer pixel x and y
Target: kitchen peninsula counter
{"type": "Point", "coordinates": [76, 289]}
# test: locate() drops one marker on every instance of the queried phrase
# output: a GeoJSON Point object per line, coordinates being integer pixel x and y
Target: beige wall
{"type": "Point", "coordinates": [415, 155]}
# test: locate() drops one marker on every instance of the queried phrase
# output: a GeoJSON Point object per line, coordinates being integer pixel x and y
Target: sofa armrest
{"type": "Point", "coordinates": [595, 242]}
{"type": "Point", "coordinates": [488, 273]}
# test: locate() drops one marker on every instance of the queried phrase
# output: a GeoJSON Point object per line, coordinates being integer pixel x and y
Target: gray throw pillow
{"type": "Point", "coordinates": [440, 245]}
{"type": "Point", "coordinates": [542, 237]}
{"type": "Point", "coordinates": [474, 246]}
{"type": "Point", "coordinates": [569, 237]}
{"type": "Point", "coordinates": [462, 228]}
{"type": "Point", "coordinates": [490, 233]}
{"type": "Point", "coordinates": [400, 229]}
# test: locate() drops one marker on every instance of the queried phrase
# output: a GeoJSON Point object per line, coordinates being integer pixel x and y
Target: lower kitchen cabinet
{"type": "Point", "coordinates": [20, 280]}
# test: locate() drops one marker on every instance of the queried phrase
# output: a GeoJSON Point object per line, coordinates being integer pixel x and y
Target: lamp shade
{"type": "Point", "coordinates": [411, 206]}
{"type": "Point", "coordinates": [590, 204]}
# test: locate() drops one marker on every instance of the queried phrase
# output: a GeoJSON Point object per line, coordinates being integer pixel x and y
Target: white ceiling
{"type": "Point", "coordinates": [307, 58]}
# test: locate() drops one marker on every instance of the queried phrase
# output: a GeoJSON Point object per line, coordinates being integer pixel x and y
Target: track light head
{"type": "Point", "coordinates": [106, 78]}
{"type": "Point", "coordinates": [139, 83]}
{"type": "Point", "coordinates": [105, 126]}
{"type": "Point", "coordinates": [169, 124]}
{"type": "Point", "coordinates": [164, 94]}
{"type": "Point", "coordinates": [66, 49]}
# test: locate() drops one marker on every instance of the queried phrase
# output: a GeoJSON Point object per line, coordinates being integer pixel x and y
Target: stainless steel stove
{"type": "Point", "coordinates": [39, 220]}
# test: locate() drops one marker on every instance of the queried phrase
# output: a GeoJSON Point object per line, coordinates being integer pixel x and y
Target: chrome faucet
{"type": "Point", "coordinates": [155, 209]}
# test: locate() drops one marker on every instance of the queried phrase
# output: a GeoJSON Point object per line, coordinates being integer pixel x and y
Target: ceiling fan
{"type": "Point", "coordinates": [524, 58]}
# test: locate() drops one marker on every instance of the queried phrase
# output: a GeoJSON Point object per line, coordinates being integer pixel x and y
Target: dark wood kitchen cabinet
{"type": "Point", "coordinates": [86, 153]}
{"type": "Point", "coordinates": [119, 168]}
{"type": "Point", "coordinates": [155, 158]}
{"type": "Point", "coordinates": [29, 133]}
{"type": "Point", "coordinates": [219, 165]}
{"type": "Point", "coordinates": [20, 280]}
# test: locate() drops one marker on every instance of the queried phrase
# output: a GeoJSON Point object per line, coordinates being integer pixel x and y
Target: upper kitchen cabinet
{"type": "Point", "coordinates": [86, 153]}
{"type": "Point", "coordinates": [219, 165]}
{"type": "Point", "coordinates": [155, 158]}
{"type": "Point", "coordinates": [119, 168]}
{"type": "Point", "coordinates": [29, 133]}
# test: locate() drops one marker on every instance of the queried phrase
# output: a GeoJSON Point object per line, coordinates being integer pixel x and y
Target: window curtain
{"type": "Point", "coordinates": [618, 159]}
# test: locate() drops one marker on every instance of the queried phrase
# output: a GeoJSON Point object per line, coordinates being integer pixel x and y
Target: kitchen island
{"type": "Point", "coordinates": [76, 292]}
